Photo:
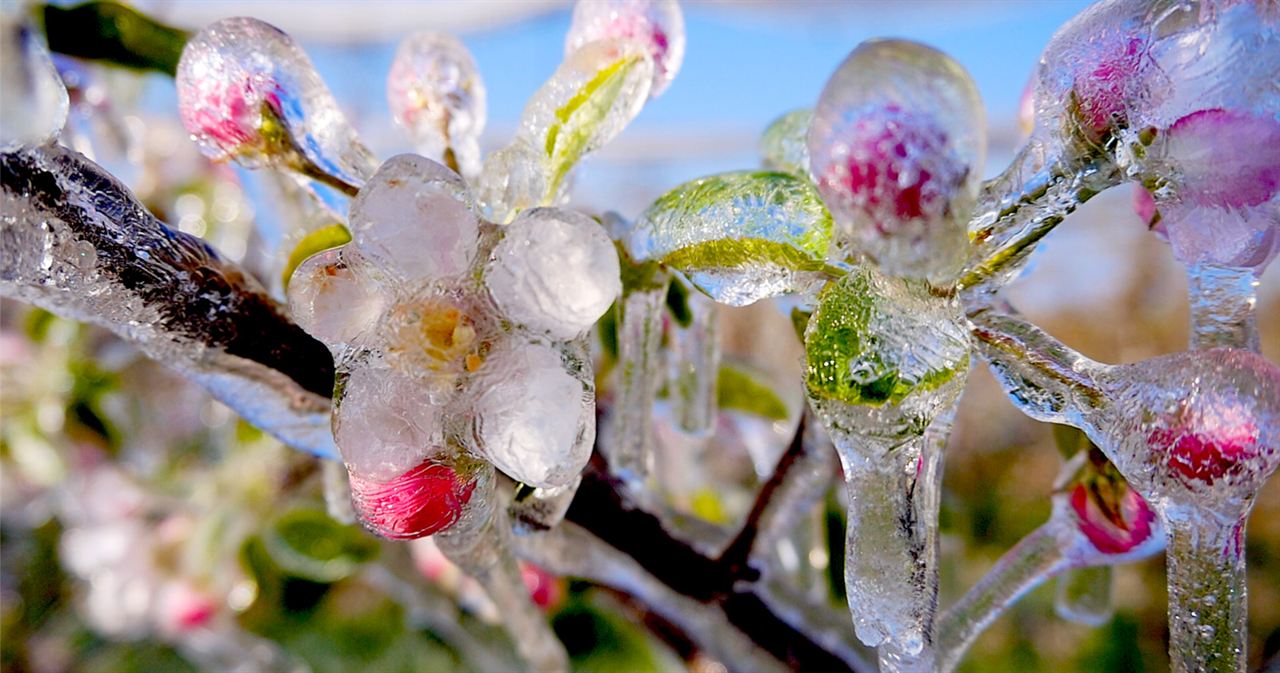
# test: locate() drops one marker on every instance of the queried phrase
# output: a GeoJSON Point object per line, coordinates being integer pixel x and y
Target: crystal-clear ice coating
{"type": "Point", "coordinates": [76, 242]}
{"type": "Point", "coordinates": [739, 237]}
{"type": "Point", "coordinates": [783, 146]}
{"type": "Point", "coordinates": [554, 271]}
{"type": "Point", "coordinates": [591, 97]}
{"type": "Point", "coordinates": [1196, 433]}
{"type": "Point", "coordinates": [657, 26]}
{"type": "Point", "coordinates": [247, 92]}
{"type": "Point", "coordinates": [694, 361]}
{"type": "Point", "coordinates": [455, 339]}
{"type": "Point", "coordinates": [630, 451]}
{"type": "Point", "coordinates": [33, 100]}
{"type": "Point", "coordinates": [897, 146]}
{"type": "Point", "coordinates": [525, 407]}
{"type": "Point", "coordinates": [885, 362]}
{"type": "Point", "coordinates": [435, 90]}
{"type": "Point", "coordinates": [1084, 596]}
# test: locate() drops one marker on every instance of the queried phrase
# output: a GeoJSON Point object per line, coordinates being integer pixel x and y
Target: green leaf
{"type": "Point", "coordinates": [114, 33]}
{"type": "Point", "coordinates": [319, 240]}
{"type": "Point", "coordinates": [875, 340]}
{"type": "Point", "coordinates": [311, 545]}
{"type": "Point", "coordinates": [738, 390]}
{"type": "Point", "coordinates": [574, 132]}
{"type": "Point", "coordinates": [739, 236]}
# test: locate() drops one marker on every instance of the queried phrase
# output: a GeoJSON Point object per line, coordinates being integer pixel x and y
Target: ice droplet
{"type": "Point", "coordinates": [33, 100]}
{"type": "Point", "coordinates": [896, 146]}
{"type": "Point", "coordinates": [783, 146]}
{"type": "Point", "coordinates": [435, 91]}
{"type": "Point", "coordinates": [656, 25]}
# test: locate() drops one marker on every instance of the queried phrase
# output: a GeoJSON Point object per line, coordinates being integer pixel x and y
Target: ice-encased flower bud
{"type": "Point", "coordinates": [247, 92]}
{"type": "Point", "coordinates": [656, 25]}
{"type": "Point", "coordinates": [1207, 451]}
{"type": "Point", "coordinates": [33, 100]}
{"type": "Point", "coordinates": [1215, 177]}
{"type": "Point", "coordinates": [1114, 518]}
{"type": "Point", "coordinates": [435, 91]}
{"type": "Point", "coordinates": [896, 147]}
{"type": "Point", "coordinates": [422, 501]}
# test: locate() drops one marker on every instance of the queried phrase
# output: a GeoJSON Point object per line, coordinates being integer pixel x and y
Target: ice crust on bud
{"type": "Point", "coordinates": [435, 91]}
{"type": "Point", "coordinates": [657, 26]}
{"type": "Point", "coordinates": [896, 147]}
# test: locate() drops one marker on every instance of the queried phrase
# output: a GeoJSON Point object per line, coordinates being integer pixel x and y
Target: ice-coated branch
{"type": "Point", "coordinates": [76, 242]}
{"type": "Point", "coordinates": [798, 483]}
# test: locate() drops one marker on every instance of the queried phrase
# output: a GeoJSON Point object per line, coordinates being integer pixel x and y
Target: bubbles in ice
{"type": "Point", "coordinates": [529, 415]}
{"type": "Point", "coordinates": [783, 144]}
{"type": "Point", "coordinates": [876, 340]}
{"type": "Point", "coordinates": [554, 271]}
{"type": "Point", "coordinates": [33, 100]}
{"type": "Point", "coordinates": [897, 146]}
{"type": "Point", "coordinates": [657, 26]}
{"type": "Point", "coordinates": [247, 92]}
{"type": "Point", "coordinates": [417, 219]}
{"type": "Point", "coordinates": [739, 237]}
{"type": "Point", "coordinates": [1198, 427]}
{"type": "Point", "coordinates": [435, 90]}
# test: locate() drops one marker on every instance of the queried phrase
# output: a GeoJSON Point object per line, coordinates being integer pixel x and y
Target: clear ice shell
{"type": "Point", "coordinates": [530, 415]}
{"type": "Point", "coordinates": [234, 70]}
{"type": "Point", "coordinates": [415, 217]}
{"type": "Point", "coordinates": [33, 100]}
{"type": "Point", "coordinates": [435, 91]}
{"type": "Point", "coordinates": [640, 327]}
{"type": "Point", "coordinates": [554, 271]}
{"type": "Point", "coordinates": [897, 146]}
{"type": "Point", "coordinates": [591, 97]}
{"type": "Point", "coordinates": [739, 237]}
{"type": "Point", "coordinates": [334, 298]}
{"type": "Point", "coordinates": [384, 422]}
{"type": "Point", "coordinates": [77, 243]}
{"type": "Point", "coordinates": [886, 361]}
{"type": "Point", "coordinates": [656, 25]}
{"type": "Point", "coordinates": [784, 144]}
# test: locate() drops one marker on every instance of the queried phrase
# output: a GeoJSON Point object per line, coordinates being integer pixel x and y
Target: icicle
{"type": "Point", "coordinates": [480, 543]}
{"type": "Point", "coordinates": [696, 365]}
{"type": "Point", "coordinates": [77, 243]}
{"type": "Point", "coordinates": [1222, 307]}
{"type": "Point", "coordinates": [640, 322]}
{"type": "Point", "coordinates": [1084, 596]}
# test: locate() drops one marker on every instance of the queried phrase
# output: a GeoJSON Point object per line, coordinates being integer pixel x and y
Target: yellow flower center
{"type": "Point", "coordinates": [435, 336]}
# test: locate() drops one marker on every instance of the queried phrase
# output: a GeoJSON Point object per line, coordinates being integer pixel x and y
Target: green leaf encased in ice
{"type": "Point", "coordinates": [577, 120]}
{"type": "Point", "coordinates": [319, 240]}
{"type": "Point", "coordinates": [856, 352]}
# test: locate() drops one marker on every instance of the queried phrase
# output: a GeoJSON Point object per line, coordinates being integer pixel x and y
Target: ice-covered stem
{"type": "Point", "coordinates": [1084, 595]}
{"type": "Point", "coordinates": [1034, 559]}
{"type": "Point", "coordinates": [797, 485]}
{"type": "Point", "coordinates": [485, 553]}
{"type": "Point", "coordinates": [1023, 204]}
{"type": "Point", "coordinates": [630, 453]}
{"type": "Point", "coordinates": [77, 243]}
{"type": "Point", "coordinates": [113, 33]}
{"type": "Point", "coordinates": [1208, 609]}
{"type": "Point", "coordinates": [1223, 300]}
{"type": "Point", "coordinates": [696, 365]}
{"type": "Point", "coordinates": [1048, 380]}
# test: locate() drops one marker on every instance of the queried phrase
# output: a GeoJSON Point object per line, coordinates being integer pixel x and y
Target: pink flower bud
{"type": "Point", "coordinates": [420, 502]}
{"type": "Point", "coordinates": [226, 115]}
{"type": "Point", "coordinates": [184, 608]}
{"type": "Point", "coordinates": [897, 166]}
{"type": "Point", "coordinates": [1114, 525]}
{"type": "Point", "coordinates": [1207, 453]}
{"type": "Point", "coordinates": [1103, 86]}
{"type": "Point", "coordinates": [544, 588]}
{"type": "Point", "coordinates": [1144, 206]}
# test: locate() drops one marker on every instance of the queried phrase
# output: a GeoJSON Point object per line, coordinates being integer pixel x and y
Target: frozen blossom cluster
{"type": "Point", "coordinates": [446, 303]}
